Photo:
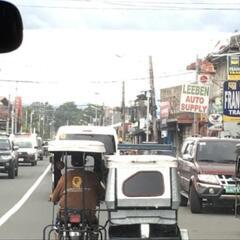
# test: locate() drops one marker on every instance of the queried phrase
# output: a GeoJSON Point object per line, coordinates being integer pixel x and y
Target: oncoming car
{"type": "Point", "coordinates": [8, 157]}
{"type": "Point", "coordinates": [27, 152]}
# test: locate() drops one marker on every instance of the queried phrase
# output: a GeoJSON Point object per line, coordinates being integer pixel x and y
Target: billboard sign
{"type": "Point", "coordinates": [194, 98]}
{"type": "Point", "coordinates": [231, 101]}
{"type": "Point", "coordinates": [234, 67]}
{"type": "Point", "coordinates": [164, 109]}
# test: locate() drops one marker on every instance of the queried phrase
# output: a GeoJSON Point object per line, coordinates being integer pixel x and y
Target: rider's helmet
{"type": "Point", "coordinates": [77, 159]}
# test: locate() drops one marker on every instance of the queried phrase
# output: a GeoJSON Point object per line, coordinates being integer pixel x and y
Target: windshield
{"type": "Point", "coordinates": [107, 140]}
{"type": "Point", "coordinates": [4, 144]}
{"type": "Point", "coordinates": [155, 71]}
{"type": "Point", "coordinates": [217, 151]}
{"type": "Point", "coordinates": [24, 144]}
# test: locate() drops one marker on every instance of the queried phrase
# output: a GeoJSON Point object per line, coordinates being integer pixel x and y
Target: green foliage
{"type": "Point", "coordinates": [46, 119]}
{"type": "Point", "coordinates": [67, 114]}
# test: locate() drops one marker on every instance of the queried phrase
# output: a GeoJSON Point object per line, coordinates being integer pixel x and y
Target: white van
{"type": "Point", "coordinates": [104, 134]}
{"type": "Point", "coordinates": [28, 148]}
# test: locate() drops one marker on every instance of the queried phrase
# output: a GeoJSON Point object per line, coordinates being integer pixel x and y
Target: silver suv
{"type": "Point", "coordinates": [8, 157]}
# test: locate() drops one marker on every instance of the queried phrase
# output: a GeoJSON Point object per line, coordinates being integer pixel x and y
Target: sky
{"type": "Point", "coordinates": [82, 50]}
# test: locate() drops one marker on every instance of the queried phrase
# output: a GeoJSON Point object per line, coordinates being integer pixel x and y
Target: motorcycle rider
{"type": "Point", "coordinates": [84, 190]}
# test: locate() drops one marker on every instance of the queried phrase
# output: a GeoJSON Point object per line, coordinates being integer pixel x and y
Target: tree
{"type": "Point", "coordinates": [38, 118]}
{"type": "Point", "coordinates": [67, 114]}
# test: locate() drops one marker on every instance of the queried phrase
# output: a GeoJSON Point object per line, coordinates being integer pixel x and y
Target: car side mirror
{"type": "Point", "coordinates": [15, 148]}
{"type": "Point", "coordinates": [187, 157]}
{"type": "Point", "coordinates": [11, 27]}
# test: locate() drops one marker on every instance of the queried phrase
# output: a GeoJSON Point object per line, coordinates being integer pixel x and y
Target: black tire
{"type": "Point", "coordinates": [11, 173]}
{"type": "Point", "coordinates": [183, 201]}
{"type": "Point", "coordinates": [34, 163]}
{"type": "Point", "coordinates": [16, 172]}
{"type": "Point", "coordinates": [195, 201]}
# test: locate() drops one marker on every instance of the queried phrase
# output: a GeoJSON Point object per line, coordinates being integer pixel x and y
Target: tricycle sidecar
{"type": "Point", "coordinates": [142, 197]}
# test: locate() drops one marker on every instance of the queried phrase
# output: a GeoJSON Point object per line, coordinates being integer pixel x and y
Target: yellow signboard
{"type": "Point", "coordinates": [234, 67]}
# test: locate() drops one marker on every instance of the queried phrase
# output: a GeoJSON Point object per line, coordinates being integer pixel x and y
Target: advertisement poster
{"type": "Point", "coordinates": [234, 67]}
{"type": "Point", "coordinates": [194, 98]}
{"type": "Point", "coordinates": [231, 101]}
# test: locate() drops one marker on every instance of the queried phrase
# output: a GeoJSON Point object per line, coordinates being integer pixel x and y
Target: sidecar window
{"type": "Point", "coordinates": [144, 184]}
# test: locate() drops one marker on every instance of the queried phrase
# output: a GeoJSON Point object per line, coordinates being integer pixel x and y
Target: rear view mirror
{"type": "Point", "coordinates": [11, 27]}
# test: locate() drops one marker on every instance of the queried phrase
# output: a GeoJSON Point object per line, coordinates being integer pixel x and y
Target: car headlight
{"type": "Point", "coordinates": [6, 157]}
{"type": "Point", "coordinates": [207, 178]}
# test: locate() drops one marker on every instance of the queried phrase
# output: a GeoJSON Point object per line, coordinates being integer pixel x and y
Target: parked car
{"type": "Point", "coordinates": [206, 169]}
{"type": "Point", "coordinates": [8, 157]}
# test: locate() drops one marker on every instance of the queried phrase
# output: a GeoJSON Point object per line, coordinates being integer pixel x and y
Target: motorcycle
{"type": "Point", "coordinates": [75, 224]}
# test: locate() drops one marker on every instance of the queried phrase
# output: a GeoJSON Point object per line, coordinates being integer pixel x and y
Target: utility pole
{"type": "Point", "coordinates": [195, 115]}
{"type": "Point", "coordinates": [153, 101]}
{"type": "Point", "coordinates": [13, 118]}
{"type": "Point", "coordinates": [9, 115]}
{"type": "Point", "coordinates": [147, 124]}
{"type": "Point", "coordinates": [123, 111]}
{"type": "Point", "coordinates": [31, 121]}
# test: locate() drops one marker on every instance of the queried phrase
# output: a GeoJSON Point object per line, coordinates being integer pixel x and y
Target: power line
{"type": "Point", "coordinates": [16, 81]}
{"type": "Point", "coordinates": [143, 78]}
{"type": "Point", "coordinates": [144, 6]}
{"type": "Point", "coordinates": [26, 81]}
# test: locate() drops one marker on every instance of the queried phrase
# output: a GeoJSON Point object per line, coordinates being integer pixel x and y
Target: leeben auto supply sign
{"type": "Point", "coordinates": [231, 101]}
{"type": "Point", "coordinates": [194, 98]}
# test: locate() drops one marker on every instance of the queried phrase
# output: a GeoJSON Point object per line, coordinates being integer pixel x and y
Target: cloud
{"type": "Point", "coordinates": [97, 15]}
{"type": "Point", "coordinates": [73, 64]}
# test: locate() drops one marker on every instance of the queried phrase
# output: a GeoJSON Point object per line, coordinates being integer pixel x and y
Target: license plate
{"type": "Point", "coordinates": [20, 159]}
{"type": "Point", "coordinates": [232, 189]}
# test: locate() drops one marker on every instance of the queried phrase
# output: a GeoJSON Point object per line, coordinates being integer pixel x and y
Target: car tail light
{"type": "Point", "coordinates": [74, 218]}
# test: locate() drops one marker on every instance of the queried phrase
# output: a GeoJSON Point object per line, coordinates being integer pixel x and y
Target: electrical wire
{"type": "Point", "coordinates": [141, 6]}
{"type": "Point", "coordinates": [142, 78]}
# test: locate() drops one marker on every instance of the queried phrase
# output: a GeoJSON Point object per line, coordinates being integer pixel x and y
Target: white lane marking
{"type": "Point", "coordinates": [19, 204]}
{"type": "Point", "coordinates": [184, 234]}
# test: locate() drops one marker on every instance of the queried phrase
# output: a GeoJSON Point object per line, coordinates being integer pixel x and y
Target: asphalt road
{"type": "Point", "coordinates": [36, 212]}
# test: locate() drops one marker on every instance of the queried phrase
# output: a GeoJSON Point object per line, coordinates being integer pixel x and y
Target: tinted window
{"type": "Point", "coordinates": [4, 144]}
{"type": "Point", "coordinates": [144, 184]}
{"type": "Point", "coordinates": [107, 140]}
{"type": "Point", "coordinates": [216, 151]}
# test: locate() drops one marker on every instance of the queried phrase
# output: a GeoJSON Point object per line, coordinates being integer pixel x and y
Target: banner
{"type": "Point", "coordinates": [215, 122]}
{"type": "Point", "coordinates": [194, 98]}
{"type": "Point", "coordinates": [231, 101]}
{"type": "Point", "coordinates": [164, 109]}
